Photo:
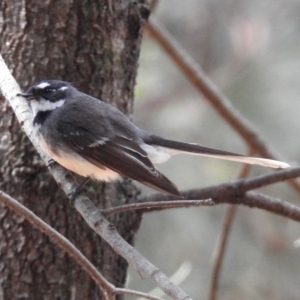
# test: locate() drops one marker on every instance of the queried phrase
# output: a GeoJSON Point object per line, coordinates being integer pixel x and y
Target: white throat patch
{"type": "Point", "coordinates": [44, 105]}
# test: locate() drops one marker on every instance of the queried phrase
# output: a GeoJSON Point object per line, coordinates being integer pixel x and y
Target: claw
{"type": "Point", "coordinates": [72, 196]}
{"type": "Point", "coordinates": [51, 163]}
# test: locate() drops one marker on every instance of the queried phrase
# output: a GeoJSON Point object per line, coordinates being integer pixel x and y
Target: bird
{"type": "Point", "coordinates": [96, 140]}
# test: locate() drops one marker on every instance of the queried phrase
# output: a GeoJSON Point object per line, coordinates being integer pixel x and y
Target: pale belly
{"type": "Point", "coordinates": [79, 165]}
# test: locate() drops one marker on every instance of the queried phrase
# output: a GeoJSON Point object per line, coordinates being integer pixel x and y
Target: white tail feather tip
{"type": "Point", "coordinates": [275, 164]}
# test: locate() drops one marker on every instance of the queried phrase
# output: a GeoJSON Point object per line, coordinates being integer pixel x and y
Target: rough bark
{"type": "Point", "coordinates": [95, 45]}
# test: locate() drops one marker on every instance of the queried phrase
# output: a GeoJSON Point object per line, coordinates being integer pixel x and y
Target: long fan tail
{"type": "Point", "coordinates": [174, 147]}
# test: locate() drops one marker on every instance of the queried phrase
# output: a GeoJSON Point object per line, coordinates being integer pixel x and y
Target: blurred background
{"type": "Point", "coordinates": [251, 51]}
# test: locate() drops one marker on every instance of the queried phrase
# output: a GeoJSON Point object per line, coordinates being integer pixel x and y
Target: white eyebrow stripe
{"type": "Point", "coordinates": [42, 85]}
{"type": "Point", "coordinates": [63, 88]}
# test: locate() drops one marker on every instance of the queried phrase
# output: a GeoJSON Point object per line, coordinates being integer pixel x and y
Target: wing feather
{"type": "Point", "coordinates": [119, 153]}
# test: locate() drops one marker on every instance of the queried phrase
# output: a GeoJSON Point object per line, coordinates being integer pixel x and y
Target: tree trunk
{"type": "Point", "coordinates": [95, 45]}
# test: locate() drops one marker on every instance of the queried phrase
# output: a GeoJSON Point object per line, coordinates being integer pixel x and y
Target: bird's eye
{"type": "Point", "coordinates": [48, 90]}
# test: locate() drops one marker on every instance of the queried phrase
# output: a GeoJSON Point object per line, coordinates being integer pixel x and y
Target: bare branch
{"type": "Point", "coordinates": [271, 204]}
{"type": "Point", "coordinates": [231, 189]}
{"type": "Point", "coordinates": [235, 193]}
{"type": "Point", "coordinates": [108, 289]}
{"type": "Point", "coordinates": [108, 232]}
{"type": "Point", "coordinates": [150, 206]}
{"type": "Point", "coordinates": [9, 88]}
{"type": "Point", "coordinates": [220, 252]}
{"type": "Point", "coordinates": [59, 240]}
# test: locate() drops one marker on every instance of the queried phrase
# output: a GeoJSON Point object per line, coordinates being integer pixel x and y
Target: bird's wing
{"type": "Point", "coordinates": [116, 151]}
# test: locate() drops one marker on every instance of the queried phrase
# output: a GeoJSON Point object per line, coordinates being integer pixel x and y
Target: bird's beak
{"type": "Point", "coordinates": [28, 96]}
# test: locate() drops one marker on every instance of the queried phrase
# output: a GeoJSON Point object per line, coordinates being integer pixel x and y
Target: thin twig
{"type": "Point", "coordinates": [235, 193]}
{"type": "Point", "coordinates": [58, 239]}
{"type": "Point", "coordinates": [271, 204]}
{"type": "Point", "coordinates": [146, 206]}
{"type": "Point", "coordinates": [9, 88]}
{"type": "Point", "coordinates": [257, 200]}
{"type": "Point", "coordinates": [220, 253]}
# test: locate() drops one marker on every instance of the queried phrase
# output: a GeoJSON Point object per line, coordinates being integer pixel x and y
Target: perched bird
{"type": "Point", "coordinates": [95, 139]}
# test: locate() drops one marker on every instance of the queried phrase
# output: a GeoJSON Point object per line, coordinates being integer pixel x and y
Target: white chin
{"type": "Point", "coordinates": [44, 105]}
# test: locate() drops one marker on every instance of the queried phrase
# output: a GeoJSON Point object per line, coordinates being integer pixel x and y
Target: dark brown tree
{"type": "Point", "coordinates": [95, 45]}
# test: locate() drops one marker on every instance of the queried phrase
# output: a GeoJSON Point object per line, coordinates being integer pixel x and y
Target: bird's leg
{"type": "Point", "coordinates": [51, 163]}
{"type": "Point", "coordinates": [75, 193]}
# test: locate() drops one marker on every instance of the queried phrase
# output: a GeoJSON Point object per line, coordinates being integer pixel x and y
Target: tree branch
{"type": "Point", "coordinates": [150, 206]}
{"type": "Point", "coordinates": [108, 289]}
{"type": "Point", "coordinates": [271, 204]}
{"type": "Point", "coordinates": [108, 232]}
{"type": "Point", "coordinates": [231, 189]}
{"type": "Point", "coordinates": [58, 239]}
{"type": "Point", "coordinates": [237, 193]}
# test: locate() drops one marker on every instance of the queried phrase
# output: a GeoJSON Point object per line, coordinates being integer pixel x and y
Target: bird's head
{"type": "Point", "coordinates": [47, 95]}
